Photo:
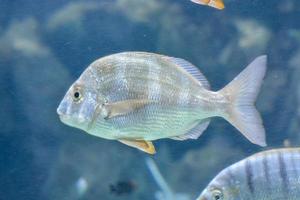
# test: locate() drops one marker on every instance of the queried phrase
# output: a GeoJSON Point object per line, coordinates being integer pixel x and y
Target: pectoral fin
{"type": "Point", "coordinates": [125, 107]}
{"type": "Point", "coordinates": [142, 145]}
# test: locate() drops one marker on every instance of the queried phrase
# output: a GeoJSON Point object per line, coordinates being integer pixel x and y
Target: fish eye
{"type": "Point", "coordinates": [217, 194]}
{"type": "Point", "coordinates": [77, 96]}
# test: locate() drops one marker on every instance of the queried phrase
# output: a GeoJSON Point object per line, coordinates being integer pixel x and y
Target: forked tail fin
{"type": "Point", "coordinates": [242, 92]}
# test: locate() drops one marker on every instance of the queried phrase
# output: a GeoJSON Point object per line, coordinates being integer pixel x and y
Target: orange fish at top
{"type": "Point", "coordinates": [213, 3]}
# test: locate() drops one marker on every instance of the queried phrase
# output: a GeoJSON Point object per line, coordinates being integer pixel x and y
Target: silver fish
{"type": "Point", "coordinates": [138, 97]}
{"type": "Point", "coordinates": [269, 175]}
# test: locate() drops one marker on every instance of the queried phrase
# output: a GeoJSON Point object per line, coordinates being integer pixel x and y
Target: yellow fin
{"type": "Point", "coordinates": [142, 145]}
{"type": "Point", "coordinates": [125, 107]}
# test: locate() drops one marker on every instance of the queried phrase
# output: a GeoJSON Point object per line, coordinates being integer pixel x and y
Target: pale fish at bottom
{"type": "Point", "coordinates": [138, 97]}
{"type": "Point", "coordinates": [269, 175]}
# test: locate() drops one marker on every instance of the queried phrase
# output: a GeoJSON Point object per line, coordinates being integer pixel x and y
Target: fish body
{"type": "Point", "coordinates": [213, 3]}
{"type": "Point", "coordinates": [138, 97]}
{"type": "Point", "coordinates": [269, 175]}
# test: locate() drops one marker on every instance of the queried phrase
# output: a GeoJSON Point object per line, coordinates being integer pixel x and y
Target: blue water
{"type": "Point", "coordinates": [45, 46]}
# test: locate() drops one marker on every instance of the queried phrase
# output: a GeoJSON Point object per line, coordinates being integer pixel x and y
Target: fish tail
{"type": "Point", "coordinates": [242, 93]}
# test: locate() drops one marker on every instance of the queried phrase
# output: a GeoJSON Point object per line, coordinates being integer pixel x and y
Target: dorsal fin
{"type": "Point", "coordinates": [195, 132]}
{"type": "Point", "coordinates": [191, 69]}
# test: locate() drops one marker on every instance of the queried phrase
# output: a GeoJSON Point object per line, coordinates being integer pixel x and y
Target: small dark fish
{"type": "Point", "coordinates": [122, 188]}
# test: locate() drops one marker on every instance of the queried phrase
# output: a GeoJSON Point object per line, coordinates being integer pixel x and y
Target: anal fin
{"type": "Point", "coordinates": [195, 132]}
{"type": "Point", "coordinates": [142, 145]}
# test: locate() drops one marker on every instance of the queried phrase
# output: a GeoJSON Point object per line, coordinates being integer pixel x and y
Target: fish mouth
{"type": "Point", "coordinates": [59, 111]}
{"type": "Point", "coordinates": [63, 118]}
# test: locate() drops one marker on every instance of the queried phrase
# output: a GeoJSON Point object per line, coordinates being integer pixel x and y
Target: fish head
{"type": "Point", "coordinates": [220, 189]}
{"type": "Point", "coordinates": [80, 106]}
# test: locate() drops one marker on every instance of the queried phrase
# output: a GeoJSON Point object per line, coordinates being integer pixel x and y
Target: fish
{"type": "Point", "coordinates": [268, 175]}
{"type": "Point", "coordinates": [122, 187]}
{"type": "Point", "coordinates": [219, 4]}
{"type": "Point", "coordinates": [139, 97]}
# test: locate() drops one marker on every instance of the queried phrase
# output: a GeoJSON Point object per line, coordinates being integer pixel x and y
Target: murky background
{"type": "Point", "coordinates": [45, 45]}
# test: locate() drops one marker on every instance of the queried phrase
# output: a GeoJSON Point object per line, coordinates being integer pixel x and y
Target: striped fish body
{"type": "Point", "coordinates": [270, 175]}
{"type": "Point", "coordinates": [137, 97]}
{"type": "Point", "coordinates": [177, 101]}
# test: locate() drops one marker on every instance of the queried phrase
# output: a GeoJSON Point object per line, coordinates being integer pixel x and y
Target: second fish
{"type": "Point", "coordinates": [138, 97]}
{"type": "Point", "coordinates": [213, 3]}
{"type": "Point", "coordinates": [268, 175]}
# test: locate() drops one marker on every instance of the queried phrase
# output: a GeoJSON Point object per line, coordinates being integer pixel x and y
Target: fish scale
{"type": "Point", "coordinates": [270, 175]}
{"type": "Point", "coordinates": [141, 63]}
{"type": "Point", "coordinates": [137, 73]}
{"type": "Point", "coordinates": [156, 121]}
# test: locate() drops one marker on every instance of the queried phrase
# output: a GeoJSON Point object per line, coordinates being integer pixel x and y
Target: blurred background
{"type": "Point", "coordinates": [45, 46]}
